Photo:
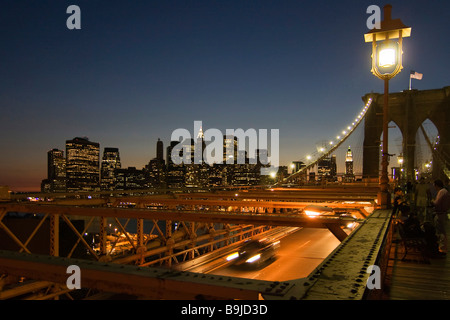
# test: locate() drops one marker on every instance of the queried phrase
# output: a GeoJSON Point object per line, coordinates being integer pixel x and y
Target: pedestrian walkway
{"type": "Point", "coordinates": [413, 279]}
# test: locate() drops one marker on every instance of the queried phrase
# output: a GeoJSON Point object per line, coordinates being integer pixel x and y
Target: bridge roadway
{"type": "Point", "coordinates": [300, 252]}
{"type": "Point", "coordinates": [163, 283]}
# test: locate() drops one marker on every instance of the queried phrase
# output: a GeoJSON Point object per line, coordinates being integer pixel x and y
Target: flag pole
{"type": "Point", "coordinates": [410, 80]}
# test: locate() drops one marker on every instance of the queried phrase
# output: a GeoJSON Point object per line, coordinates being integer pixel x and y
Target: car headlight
{"type": "Point", "coordinates": [254, 258]}
{"type": "Point", "coordinates": [311, 213]}
{"type": "Point", "coordinates": [233, 256]}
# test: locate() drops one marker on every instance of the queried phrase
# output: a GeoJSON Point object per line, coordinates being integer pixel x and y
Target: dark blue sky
{"type": "Point", "coordinates": [137, 70]}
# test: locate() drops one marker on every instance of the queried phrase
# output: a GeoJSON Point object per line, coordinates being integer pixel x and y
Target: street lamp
{"type": "Point", "coordinates": [386, 64]}
{"type": "Point", "coordinates": [400, 161]}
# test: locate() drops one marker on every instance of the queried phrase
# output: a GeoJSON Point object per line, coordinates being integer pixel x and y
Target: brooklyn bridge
{"type": "Point", "coordinates": [313, 241]}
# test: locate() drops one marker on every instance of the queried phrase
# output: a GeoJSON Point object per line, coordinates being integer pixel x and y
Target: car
{"type": "Point", "coordinates": [315, 210]}
{"type": "Point", "coordinates": [254, 252]}
{"type": "Point", "coordinates": [349, 221]}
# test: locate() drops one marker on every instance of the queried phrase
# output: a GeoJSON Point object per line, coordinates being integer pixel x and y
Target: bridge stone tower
{"type": "Point", "coordinates": [408, 110]}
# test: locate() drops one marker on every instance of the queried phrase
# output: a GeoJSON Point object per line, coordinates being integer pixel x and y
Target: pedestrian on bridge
{"type": "Point", "coordinates": [401, 208]}
{"type": "Point", "coordinates": [441, 206]}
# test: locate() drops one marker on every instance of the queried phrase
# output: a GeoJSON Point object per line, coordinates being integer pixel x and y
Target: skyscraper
{"type": "Point", "coordinates": [230, 149]}
{"type": "Point", "coordinates": [56, 164]}
{"type": "Point", "coordinates": [333, 164]}
{"type": "Point", "coordinates": [159, 150]}
{"type": "Point", "coordinates": [110, 163]}
{"type": "Point", "coordinates": [326, 168]}
{"type": "Point", "coordinates": [56, 172]}
{"type": "Point", "coordinates": [349, 176]}
{"type": "Point", "coordinates": [82, 165]}
{"type": "Point", "coordinates": [155, 169]}
{"type": "Point", "coordinates": [175, 173]}
{"type": "Point", "coordinates": [131, 179]}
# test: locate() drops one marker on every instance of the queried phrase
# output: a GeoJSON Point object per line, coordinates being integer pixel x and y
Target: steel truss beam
{"type": "Point", "coordinates": [172, 246]}
{"type": "Point", "coordinates": [166, 244]}
{"type": "Point", "coordinates": [342, 275]}
{"type": "Point", "coordinates": [291, 220]}
{"type": "Point", "coordinates": [149, 283]}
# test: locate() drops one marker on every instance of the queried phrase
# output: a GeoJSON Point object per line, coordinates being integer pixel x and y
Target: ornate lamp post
{"type": "Point", "coordinates": [386, 64]}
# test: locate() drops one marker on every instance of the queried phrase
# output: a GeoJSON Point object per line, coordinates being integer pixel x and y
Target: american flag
{"type": "Point", "coordinates": [416, 75]}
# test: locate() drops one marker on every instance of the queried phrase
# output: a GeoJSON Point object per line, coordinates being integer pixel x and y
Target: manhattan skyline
{"type": "Point", "coordinates": [135, 72]}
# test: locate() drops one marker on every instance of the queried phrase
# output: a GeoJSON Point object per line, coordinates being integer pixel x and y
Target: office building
{"type": "Point", "coordinates": [56, 164]}
{"type": "Point", "coordinates": [230, 149]}
{"type": "Point", "coordinates": [156, 173]}
{"type": "Point", "coordinates": [110, 163]}
{"type": "Point", "coordinates": [159, 150]}
{"type": "Point", "coordinates": [56, 172]}
{"type": "Point", "coordinates": [243, 174]}
{"type": "Point", "coordinates": [82, 165]}
{"type": "Point", "coordinates": [174, 172]}
{"type": "Point", "coordinates": [297, 165]}
{"type": "Point", "coordinates": [131, 179]}
{"type": "Point", "coordinates": [349, 175]}
{"type": "Point", "coordinates": [327, 168]}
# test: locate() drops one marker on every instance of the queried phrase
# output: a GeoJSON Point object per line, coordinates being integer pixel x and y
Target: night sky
{"type": "Point", "coordinates": [137, 70]}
